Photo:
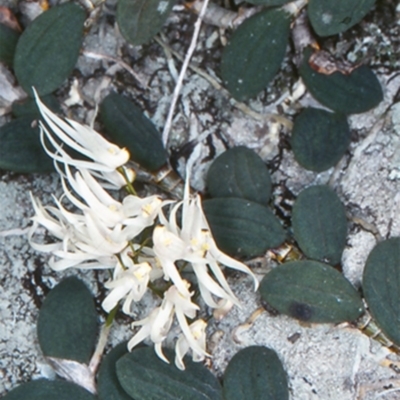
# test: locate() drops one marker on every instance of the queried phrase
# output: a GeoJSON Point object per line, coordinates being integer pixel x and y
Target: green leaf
{"type": "Point", "coordinates": [311, 291]}
{"type": "Point", "coordinates": [8, 42]}
{"type": "Point", "coordinates": [48, 49]}
{"type": "Point", "coordinates": [140, 20]}
{"type": "Point", "coordinates": [128, 127]}
{"type": "Point", "coordinates": [108, 386]}
{"type": "Point", "coordinates": [42, 389]}
{"type": "Point", "coordinates": [255, 373]}
{"type": "Point", "coordinates": [355, 93]}
{"type": "Point", "coordinates": [243, 227]}
{"type": "Point", "coordinates": [239, 172]}
{"type": "Point", "coordinates": [319, 224]}
{"type": "Point", "coordinates": [144, 376]}
{"type": "Point", "coordinates": [254, 53]}
{"type": "Point", "coordinates": [20, 148]}
{"type": "Point", "coordinates": [68, 323]}
{"type": "Point", "coordinates": [28, 108]}
{"type": "Point", "coordinates": [381, 287]}
{"type": "Point", "coordinates": [319, 138]}
{"type": "Point", "coordinates": [329, 17]}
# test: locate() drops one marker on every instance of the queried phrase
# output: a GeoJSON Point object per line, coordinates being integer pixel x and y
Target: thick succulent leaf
{"type": "Point", "coordinates": [255, 373]}
{"type": "Point", "coordinates": [28, 107]}
{"type": "Point", "coordinates": [128, 127]}
{"type": "Point", "coordinates": [239, 172]}
{"type": "Point", "coordinates": [42, 389]}
{"type": "Point", "coordinates": [48, 49]}
{"type": "Point", "coordinates": [8, 42]}
{"type": "Point", "coordinates": [381, 287]}
{"type": "Point", "coordinates": [319, 138]}
{"type": "Point", "coordinates": [243, 227]}
{"type": "Point", "coordinates": [311, 291]}
{"type": "Point", "coordinates": [21, 150]}
{"type": "Point", "coordinates": [254, 53]}
{"type": "Point", "coordinates": [144, 376]}
{"type": "Point", "coordinates": [329, 17]}
{"type": "Point", "coordinates": [319, 224]}
{"type": "Point", "coordinates": [140, 20]}
{"type": "Point", "coordinates": [108, 386]}
{"type": "Point", "coordinates": [354, 93]}
{"type": "Point", "coordinates": [68, 323]}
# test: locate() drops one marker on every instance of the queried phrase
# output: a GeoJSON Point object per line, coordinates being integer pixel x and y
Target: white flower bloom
{"type": "Point", "coordinates": [158, 323]}
{"type": "Point", "coordinates": [184, 344]}
{"type": "Point", "coordinates": [192, 241]}
{"type": "Point", "coordinates": [103, 156]}
{"type": "Point", "coordinates": [131, 282]}
{"type": "Point", "coordinates": [134, 213]}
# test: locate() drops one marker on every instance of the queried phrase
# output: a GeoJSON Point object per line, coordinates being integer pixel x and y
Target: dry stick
{"type": "Point", "coordinates": [197, 26]}
{"type": "Point", "coordinates": [240, 106]}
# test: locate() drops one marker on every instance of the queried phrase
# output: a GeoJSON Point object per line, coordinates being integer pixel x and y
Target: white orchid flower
{"type": "Point", "coordinates": [158, 323]}
{"type": "Point", "coordinates": [100, 155]}
{"type": "Point", "coordinates": [134, 213]}
{"type": "Point", "coordinates": [192, 241]}
{"type": "Point", "coordinates": [183, 345]}
{"type": "Point", "coordinates": [130, 282]}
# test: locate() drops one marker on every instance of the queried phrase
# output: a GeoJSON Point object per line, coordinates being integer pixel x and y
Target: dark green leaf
{"type": "Point", "coordinates": [355, 93]}
{"type": "Point", "coordinates": [140, 20]}
{"type": "Point", "coordinates": [239, 172]}
{"type": "Point", "coordinates": [329, 17]}
{"type": "Point", "coordinates": [20, 148]}
{"type": "Point", "coordinates": [48, 49]}
{"type": "Point", "coordinates": [311, 291]}
{"type": "Point", "coordinates": [129, 127]}
{"type": "Point", "coordinates": [28, 107]}
{"type": "Point", "coordinates": [319, 138]}
{"type": "Point", "coordinates": [8, 42]}
{"type": "Point", "coordinates": [108, 385]}
{"type": "Point", "coordinates": [144, 376]}
{"type": "Point", "coordinates": [254, 53]}
{"type": "Point", "coordinates": [381, 287]}
{"type": "Point", "coordinates": [255, 373]}
{"type": "Point", "coordinates": [243, 227]}
{"type": "Point", "coordinates": [43, 389]}
{"type": "Point", "coordinates": [319, 224]}
{"type": "Point", "coordinates": [68, 323]}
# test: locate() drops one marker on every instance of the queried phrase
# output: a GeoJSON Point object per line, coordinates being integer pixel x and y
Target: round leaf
{"type": "Point", "coordinates": [8, 42]}
{"type": "Point", "coordinates": [67, 325]}
{"type": "Point", "coordinates": [355, 93]}
{"type": "Point", "coordinates": [42, 389]}
{"type": "Point", "coordinates": [144, 376]}
{"type": "Point", "coordinates": [381, 287]}
{"type": "Point", "coordinates": [21, 150]}
{"type": "Point", "coordinates": [311, 291]}
{"type": "Point", "coordinates": [48, 49]}
{"type": "Point", "coordinates": [108, 385]}
{"type": "Point", "coordinates": [140, 20]}
{"type": "Point", "coordinates": [128, 127]}
{"type": "Point", "coordinates": [319, 224]}
{"type": "Point", "coordinates": [255, 373]}
{"type": "Point", "coordinates": [329, 17]}
{"type": "Point", "coordinates": [239, 172]}
{"type": "Point", "coordinates": [255, 52]}
{"type": "Point", "coordinates": [319, 138]}
{"type": "Point", "coordinates": [242, 227]}
{"type": "Point", "coordinates": [28, 108]}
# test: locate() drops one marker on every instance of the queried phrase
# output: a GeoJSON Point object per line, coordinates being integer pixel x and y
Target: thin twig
{"type": "Point", "coordinates": [197, 26]}
{"type": "Point", "coordinates": [123, 64]}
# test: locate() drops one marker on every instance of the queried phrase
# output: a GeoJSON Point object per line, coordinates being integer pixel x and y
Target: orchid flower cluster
{"type": "Point", "coordinates": [103, 233]}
